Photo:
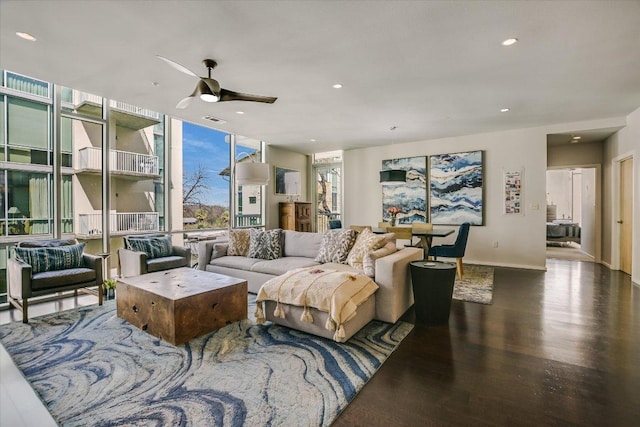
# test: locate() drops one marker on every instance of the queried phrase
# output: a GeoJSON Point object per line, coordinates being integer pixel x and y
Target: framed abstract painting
{"type": "Point", "coordinates": [410, 196]}
{"type": "Point", "coordinates": [287, 181]}
{"type": "Point", "coordinates": [456, 188]}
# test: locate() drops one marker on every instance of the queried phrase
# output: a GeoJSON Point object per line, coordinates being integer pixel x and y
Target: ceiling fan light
{"type": "Point", "coordinates": [205, 93]}
{"type": "Point", "coordinates": [209, 97]}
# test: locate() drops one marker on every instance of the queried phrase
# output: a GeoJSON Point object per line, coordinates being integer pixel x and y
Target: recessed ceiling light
{"type": "Point", "coordinates": [509, 42]}
{"type": "Point", "coordinates": [26, 36]}
{"type": "Point", "coordinates": [239, 112]}
{"type": "Point", "coordinates": [312, 140]}
{"type": "Point", "coordinates": [504, 110]}
{"type": "Point", "coordinates": [337, 86]}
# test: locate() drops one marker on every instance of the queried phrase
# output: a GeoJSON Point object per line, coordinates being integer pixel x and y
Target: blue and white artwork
{"type": "Point", "coordinates": [456, 188]}
{"type": "Point", "coordinates": [411, 196]}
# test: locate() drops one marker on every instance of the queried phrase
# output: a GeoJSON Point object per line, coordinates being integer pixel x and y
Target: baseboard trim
{"type": "Point", "coordinates": [506, 265]}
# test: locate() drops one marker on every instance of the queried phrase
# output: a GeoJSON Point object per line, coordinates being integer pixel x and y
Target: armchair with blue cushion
{"type": "Point", "coordinates": [454, 251]}
{"type": "Point", "coordinates": [147, 253]}
{"type": "Point", "coordinates": [335, 224]}
{"type": "Point", "coordinates": [51, 266]}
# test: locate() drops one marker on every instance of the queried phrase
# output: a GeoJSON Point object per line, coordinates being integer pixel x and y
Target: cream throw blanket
{"type": "Point", "coordinates": [338, 293]}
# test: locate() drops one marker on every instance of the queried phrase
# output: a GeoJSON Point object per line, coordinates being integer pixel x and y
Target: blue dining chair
{"type": "Point", "coordinates": [335, 223]}
{"type": "Point", "coordinates": [453, 251]}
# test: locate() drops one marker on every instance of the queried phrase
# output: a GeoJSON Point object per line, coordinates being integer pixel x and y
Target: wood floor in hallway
{"type": "Point", "coordinates": [560, 347]}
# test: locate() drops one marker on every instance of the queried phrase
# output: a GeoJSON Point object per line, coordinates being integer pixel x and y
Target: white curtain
{"type": "Point", "coordinates": [39, 203]}
{"type": "Point", "coordinates": [67, 204]}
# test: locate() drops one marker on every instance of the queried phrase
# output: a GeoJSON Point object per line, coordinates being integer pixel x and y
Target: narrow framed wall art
{"type": "Point", "coordinates": [513, 200]}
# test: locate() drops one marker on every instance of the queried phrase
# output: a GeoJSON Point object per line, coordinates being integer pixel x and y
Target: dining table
{"type": "Point", "coordinates": [425, 236]}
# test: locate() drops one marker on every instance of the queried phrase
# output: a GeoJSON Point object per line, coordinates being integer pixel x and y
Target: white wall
{"type": "Point", "coordinates": [588, 223]}
{"type": "Point", "coordinates": [290, 160]}
{"type": "Point", "coordinates": [626, 142]}
{"type": "Point", "coordinates": [521, 239]}
{"type": "Point", "coordinates": [575, 155]}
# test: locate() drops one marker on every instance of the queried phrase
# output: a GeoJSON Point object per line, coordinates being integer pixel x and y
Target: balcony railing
{"type": "Point", "coordinates": [81, 97]}
{"type": "Point", "coordinates": [26, 84]}
{"type": "Point", "coordinates": [91, 223]}
{"type": "Point", "coordinates": [323, 221]}
{"type": "Point", "coordinates": [120, 161]}
{"type": "Point", "coordinates": [248, 220]}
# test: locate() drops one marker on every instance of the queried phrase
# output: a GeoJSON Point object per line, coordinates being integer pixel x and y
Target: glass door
{"type": "Point", "coordinates": [328, 195]}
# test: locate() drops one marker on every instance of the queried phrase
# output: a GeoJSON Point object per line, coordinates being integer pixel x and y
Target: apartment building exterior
{"type": "Point", "coordinates": [41, 122]}
{"type": "Point", "coordinates": [34, 129]}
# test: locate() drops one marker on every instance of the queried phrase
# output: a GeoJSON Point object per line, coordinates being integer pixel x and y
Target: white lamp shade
{"type": "Point", "coordinates": [250, 173]}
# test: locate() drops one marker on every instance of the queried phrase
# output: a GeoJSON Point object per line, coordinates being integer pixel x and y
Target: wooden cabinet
{"type": "Point", "coordinates": [295, 216]}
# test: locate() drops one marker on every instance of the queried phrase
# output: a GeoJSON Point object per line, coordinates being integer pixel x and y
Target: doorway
{"type": "Point", "coordinates": [625, 220]}
{"type": "Point", "coordinates": [572, 218]}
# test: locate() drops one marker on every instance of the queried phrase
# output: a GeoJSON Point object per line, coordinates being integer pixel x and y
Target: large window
{"type": "Point", "coordinates": [328, 195]}
{"type": "Point", "coordinates": [27, 143]}
{"type": "Point", "coordinates": [248, 202]}
{"type": "Point", "coordinates": [28, 203]}
{"type": "Point", "coordinates": [27, 131]}
{"type": "Point", "coordinates": [205, 185]}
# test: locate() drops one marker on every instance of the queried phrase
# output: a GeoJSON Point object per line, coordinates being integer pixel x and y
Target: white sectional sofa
{"type": "Point", "coordinates": [300, 249]}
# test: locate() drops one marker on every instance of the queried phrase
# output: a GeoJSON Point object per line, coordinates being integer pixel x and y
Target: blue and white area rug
{"type": "Point", "coordinates": [90, 367]}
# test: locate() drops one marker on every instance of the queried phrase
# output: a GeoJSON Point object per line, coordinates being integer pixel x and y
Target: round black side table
{"type": "Point", "coordinates": [432, 290]}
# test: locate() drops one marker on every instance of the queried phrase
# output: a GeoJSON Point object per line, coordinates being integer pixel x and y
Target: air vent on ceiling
{"type": "Point", "coordinates": [214, 119]}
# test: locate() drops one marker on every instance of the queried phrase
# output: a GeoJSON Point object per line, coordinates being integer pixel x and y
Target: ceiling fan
{"type": "Point", "coordinates": [209, 89]}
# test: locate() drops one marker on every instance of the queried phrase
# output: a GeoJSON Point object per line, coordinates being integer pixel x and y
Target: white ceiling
{"type": "Point", "coordinates": [432, 68]}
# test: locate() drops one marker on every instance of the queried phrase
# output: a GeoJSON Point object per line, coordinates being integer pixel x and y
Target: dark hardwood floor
{"type": "Point", "coordinates": [560, 347]}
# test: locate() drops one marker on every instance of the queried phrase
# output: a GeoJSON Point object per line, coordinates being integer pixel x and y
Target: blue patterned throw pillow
{"type": "Point", "coordinates": [154, 247]}
{"type": "Point", "coordinates": [51, 258]}
{"type": "Point", "coordinates": [265, 244]}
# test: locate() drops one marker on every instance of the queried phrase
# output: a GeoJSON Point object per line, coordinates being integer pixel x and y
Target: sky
{"type": "Point", "coordinates": [207, 147]}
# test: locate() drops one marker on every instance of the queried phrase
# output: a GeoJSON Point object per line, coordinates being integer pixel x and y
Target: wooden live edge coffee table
{"type": "Point", "coordinates": [181, 304]}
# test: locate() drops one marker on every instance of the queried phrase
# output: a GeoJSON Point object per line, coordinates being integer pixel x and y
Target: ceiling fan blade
{"type": "Point", "coordinates": [178, 66]}
{"type": "Point", "coordinates": [229, 95]}
{"type": "Point", "coordinates": [184, 102]}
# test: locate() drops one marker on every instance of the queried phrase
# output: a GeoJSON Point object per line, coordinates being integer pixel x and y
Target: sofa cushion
{"type": "Point", "coordinates": [238, 243]}
{"type": "Point", "coordinates": [219, 250]}
{"type": "Point", "coordinates": [165, 263]}
{"type": "Point", "coordinates": [298, 243]}
{"type": "Point", "coordinates": [367, 242]}
{"type": "Point", "coordinates": [154, 247]}
{"type": "Point", "coordinates": [336, 245]}
{"type": "Point", "coordinates": [369, 260]}
{"type": "Point", "coordinates": [48, 243]}
{"type": "Point", "coordinates": [265, 244]}
{"type": "Point", "coordinates": [238, 262]}
{"type": "Point", "coordinates": [62, 278]}
{"type": "Point", "coordinates": [127, 239]}
{"type": "Point", "coordinates": [51, 258]}
{"type": "Point", "coordinates": [282, 265]}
